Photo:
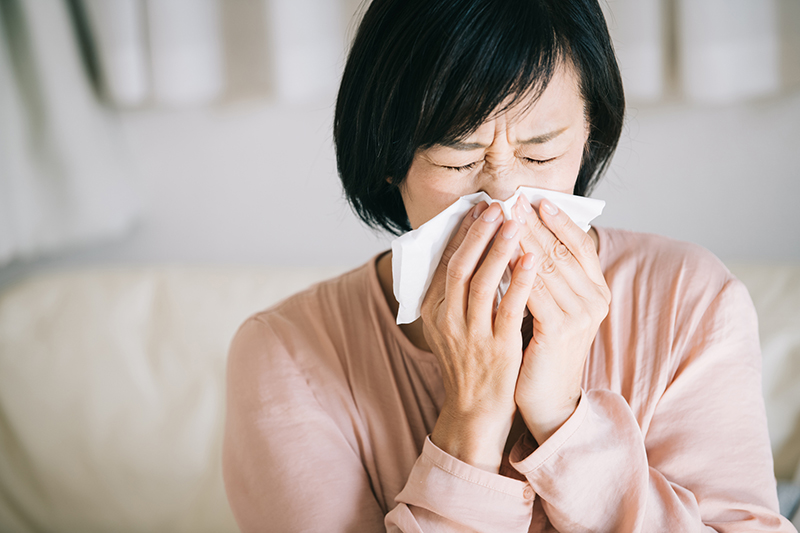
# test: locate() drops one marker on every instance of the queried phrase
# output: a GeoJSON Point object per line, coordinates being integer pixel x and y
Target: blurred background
{"type": "Point", "coordinates": [199, 131]}
{"type": "Point", "coordinates": [167, 169]}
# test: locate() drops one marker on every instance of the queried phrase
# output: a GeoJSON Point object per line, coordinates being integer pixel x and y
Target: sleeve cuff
{"type": "Point", "coordinates": [441, 487]}
{"type": "Point", "coordinates": [526, 456]}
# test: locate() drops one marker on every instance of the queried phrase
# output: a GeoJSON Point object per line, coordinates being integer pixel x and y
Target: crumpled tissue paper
{"type": "Point", "coordinates": [416, 254]}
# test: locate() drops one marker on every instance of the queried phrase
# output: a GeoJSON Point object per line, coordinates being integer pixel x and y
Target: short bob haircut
{"type": "Point", "coordinates": [424, 72]}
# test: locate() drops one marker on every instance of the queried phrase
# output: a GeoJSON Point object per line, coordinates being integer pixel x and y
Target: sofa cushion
{"type": "Point", "coordinates": [775, 290]}
{"type": "Point", "coordinates": [112, 395]}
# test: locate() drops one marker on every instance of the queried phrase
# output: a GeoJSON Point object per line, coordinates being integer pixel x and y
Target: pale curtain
{"type": "Point", "coordinates": [172, 53]}
{"type": "Point", "coordinates": [63, 180]}
{"type": "Point", "coordinates": [714, 52]}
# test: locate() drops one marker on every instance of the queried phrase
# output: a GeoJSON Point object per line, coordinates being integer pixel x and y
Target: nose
{"type": "Point", "coordinates": [499, 181]}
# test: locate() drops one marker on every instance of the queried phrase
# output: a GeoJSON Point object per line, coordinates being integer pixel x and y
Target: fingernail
{"type": "Point", "coordinates": [526, 205]}
{"type": "Point", "coordinates": [549, 207]}
{"type": "Point", "coordinates": [491, 214]}
{"type": "Point", "coordinates": [520, 216]}
{"type": "Point", "coordinates": [478, 209]}
{"type": "Point", "coordinates": [527, 261]}
{"type": "Point", "coordinates": [509, 229]}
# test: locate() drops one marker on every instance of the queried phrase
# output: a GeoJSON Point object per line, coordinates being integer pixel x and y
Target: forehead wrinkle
{"type": "Point", "coordinates": [539, 139]}
{"type": "Point", "coordinates": [462, 146]}
{"type": "Point", "coordinates": [544, 138]}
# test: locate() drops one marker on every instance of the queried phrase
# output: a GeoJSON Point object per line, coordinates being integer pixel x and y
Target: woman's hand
{"type": "Point", "coordinates": [479, 351]}
{"type": "Point", "coordinates": [569, 300]}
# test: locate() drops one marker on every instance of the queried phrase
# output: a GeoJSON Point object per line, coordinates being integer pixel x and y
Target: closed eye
{"type": "Point", "coordinates": [463, 168]}
{"type": "Point", "coordinates": [538, 161]}
{"type": "Point", "coordinates": [474, 164]}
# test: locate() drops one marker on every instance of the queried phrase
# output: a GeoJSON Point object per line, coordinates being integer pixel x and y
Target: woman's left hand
{"type": "Point", "coordinates": [569, 300]}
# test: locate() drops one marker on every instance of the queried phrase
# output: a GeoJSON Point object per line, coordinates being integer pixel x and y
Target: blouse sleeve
{"type": "Point", "coordinates": [444, 494]}
{"type": "Point", "coordinates": [704, 462]}
{"type": "Point", "coordinates": [289, 465]}
{"type": "Point", "coordinates": [286, 464]}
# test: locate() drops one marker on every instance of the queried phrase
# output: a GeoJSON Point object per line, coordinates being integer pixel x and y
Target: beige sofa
{"type": "Point", "coordinates": [112, 391]}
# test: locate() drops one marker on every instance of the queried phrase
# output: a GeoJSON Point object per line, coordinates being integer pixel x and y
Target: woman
{"type": "Point", "coordinates": [633, 402]}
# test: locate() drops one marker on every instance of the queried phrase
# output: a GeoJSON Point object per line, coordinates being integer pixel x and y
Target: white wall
{"type": "Point", "coordinates": [257, 183]}
{"type": "Point", "coordinates": [726, 178]}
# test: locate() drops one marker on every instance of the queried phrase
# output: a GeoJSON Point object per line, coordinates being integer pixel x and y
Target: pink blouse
{"type": "Point", "coordinates": [329, 408]}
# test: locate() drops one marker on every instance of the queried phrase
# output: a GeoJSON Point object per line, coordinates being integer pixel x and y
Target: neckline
{"type": "Point", "coordinates": [389, 320]}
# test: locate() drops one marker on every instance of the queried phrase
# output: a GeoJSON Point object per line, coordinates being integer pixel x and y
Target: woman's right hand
{"type": "Point", "coordinates": [479, 350]}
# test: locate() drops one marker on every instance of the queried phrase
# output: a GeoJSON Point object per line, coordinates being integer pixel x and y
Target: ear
{"type": "Point", "coordinates": [389, 180]}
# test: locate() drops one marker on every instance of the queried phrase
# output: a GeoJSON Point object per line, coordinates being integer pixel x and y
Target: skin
{"type": "Point", "coordinates": [494, 390]}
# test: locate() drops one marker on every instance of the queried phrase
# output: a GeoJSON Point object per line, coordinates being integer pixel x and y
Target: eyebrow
{"type": "Point", "coordinates": [539, 139]}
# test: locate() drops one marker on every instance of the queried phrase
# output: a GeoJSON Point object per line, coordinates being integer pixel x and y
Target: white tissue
{"type": "Point", "coordinates": [416, 254]}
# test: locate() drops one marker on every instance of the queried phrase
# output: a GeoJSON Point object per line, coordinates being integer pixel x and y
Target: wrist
{"type": "Point", "coordinates": [476, 440]}
{"type": "Point", "coordinates": [543, 421]}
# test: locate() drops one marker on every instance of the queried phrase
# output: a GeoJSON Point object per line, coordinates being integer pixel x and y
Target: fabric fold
{"type": "Point", "coordinates": [442, 488]}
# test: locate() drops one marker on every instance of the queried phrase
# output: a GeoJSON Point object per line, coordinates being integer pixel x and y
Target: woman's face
{"type": "Point", "coordinates": [538, 147]}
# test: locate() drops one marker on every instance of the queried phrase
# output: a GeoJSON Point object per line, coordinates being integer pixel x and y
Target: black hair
{"type": "Point", "coordinates": [423, 72]}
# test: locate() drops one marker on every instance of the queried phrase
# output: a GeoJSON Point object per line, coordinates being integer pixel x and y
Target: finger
{"type": "Point", "coordinates": [436, 290]}
{"type": "Point", "coordinates": [574, 274]}
{"type": "Point", "coordinates": [536, 237]}
{"type": "Point", "coordinates": [577, 241]}
{"type": "Point", "coordinates": [541, 303]}
{"type": "Point", "coordinates": [512, 307]}
{"type": "Point", "coordinates": [543, 242]}
{"type": "Point", "coordinates": [465, 257]}
{"type": "Point", "coordinates": [562, 292]}
{"type": "Point", "coordinates": [483, 287]}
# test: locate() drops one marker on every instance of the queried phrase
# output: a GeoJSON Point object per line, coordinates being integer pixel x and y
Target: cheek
{"type": "Point", "coordinates": [426, 193]}
{"type": "Point", "coordinates": [562, 174]}
{"type": "Point", "coordinates": [571, 166]}
{"type": "Point", "coordinates": [575, 161]}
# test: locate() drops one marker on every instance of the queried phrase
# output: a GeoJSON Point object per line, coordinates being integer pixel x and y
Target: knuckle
{"type": "Point", "coordinates": [481, 291]}
{"type": "Point", "coordinates": [552, 247]}
{"type": "Point", "coordinates": [484, 229]}
{"type": "Point", "coordinates": [448, 253]}
{"type": "Point", "coordinates": [520, 283]}
{"type": "Point", "coordinates": [561, 252]}
{"type": "Point", "coordinates": [424, 312]}
{"type": "Point", "coordinates": [499, 249]}
{"type": "Point", "coordinates": [455, 274]}
{"type": "Point", "coordinates": [535, 223]}
{"type": "Point", "coordinates": [505, 313]}
{"type": "Point", "coordinates": [548, 265]}
{"type": "Point", "coordinates": [564, 221]}
{"type": "Point", "coordinates": [586, 246]}
{"type": "Point", "coordinates": [538, 285]}
{"type": "Point", "coordinates": [457, 271]}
